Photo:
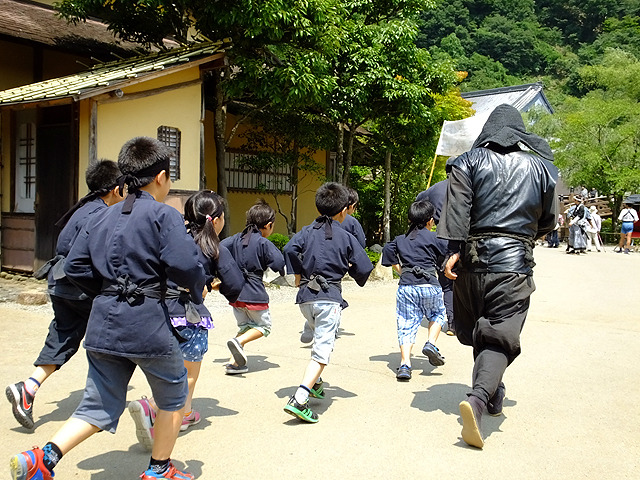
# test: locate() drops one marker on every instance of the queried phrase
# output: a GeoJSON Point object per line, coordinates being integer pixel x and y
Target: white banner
{"type": "Point", "coordinates": [458, 136]}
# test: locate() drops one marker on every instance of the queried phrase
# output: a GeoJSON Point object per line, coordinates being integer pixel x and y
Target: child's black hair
{"type": "Point", "coordinates": [331, 198]}
{"type": "Point", "coordinates": [419, 214]}
{"type": "Point", "coordinates": [353, 196]}
{"type": "Point", "coordinates": [139, 153]}
{"type": "Point", "coordinates": [199, 211]}
{"type": "Point", "coordinates": [102, 176]}
{"type": "Point", "coordinates": [260, 214]}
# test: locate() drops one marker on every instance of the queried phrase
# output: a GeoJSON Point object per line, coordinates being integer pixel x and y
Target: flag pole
{"type": "Point", "coordinates": [433, 166]}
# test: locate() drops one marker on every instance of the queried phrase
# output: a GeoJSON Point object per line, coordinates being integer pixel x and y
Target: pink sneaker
{"type": "Point", "coordinates": [144, 417]}
{"type": "Point", "coordinates": [29, 466]}
{"type": "Point", "coordinates": [190, 421]}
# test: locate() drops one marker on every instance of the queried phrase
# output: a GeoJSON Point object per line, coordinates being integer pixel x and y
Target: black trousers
{"type": "Point", "coordinates": [66, 331]}
{"type": "Point", "coordinates": [490, 310]}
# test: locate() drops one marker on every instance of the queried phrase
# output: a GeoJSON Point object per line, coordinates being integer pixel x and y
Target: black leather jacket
{"type": "Point", "coordinates": [492, 194]}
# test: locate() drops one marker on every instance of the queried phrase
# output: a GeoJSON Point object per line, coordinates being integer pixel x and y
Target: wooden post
{"type": "Point", "coordinates": [93, 132]}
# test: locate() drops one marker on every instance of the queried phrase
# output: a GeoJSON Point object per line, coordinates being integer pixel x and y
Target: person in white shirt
{"type": "Point", "coordinates": [593, 229]}
{"type": "Point", "coordinates": [628, 216]}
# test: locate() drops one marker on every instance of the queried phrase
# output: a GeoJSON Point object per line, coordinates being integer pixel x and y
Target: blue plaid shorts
{"type": "Point", "coordinates": [415, 302]}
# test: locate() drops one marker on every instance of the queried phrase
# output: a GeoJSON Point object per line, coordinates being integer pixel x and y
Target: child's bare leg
{"type": "Point", "coordinates": [166, 428]}
{"type": "Point", "coordinates": [434, 331]}
{"type": "Point", "coordinates": [312, 373]}
{"type": "Point", "coordinates": [73, 432]}
{"type": "Point", "coordinates": [42, 372]}
{"type": "Point", "coordinates": [248, 336]}
{"type": "Point", "coordinates": [193, 372]}
{"type": "Point", "coordinates": [405, 354]}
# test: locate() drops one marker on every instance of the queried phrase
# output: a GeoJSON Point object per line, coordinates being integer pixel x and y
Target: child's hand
{"type": "Point", "coordinates": [298, 277]}
{"type": "Point", "coordinates": [205, 290]}
{"type": "Point", "coordinates": [215, 285]}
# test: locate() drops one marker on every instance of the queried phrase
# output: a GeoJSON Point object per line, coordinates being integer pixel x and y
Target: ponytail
{"type": "Point", "coordinates": [199, 211]}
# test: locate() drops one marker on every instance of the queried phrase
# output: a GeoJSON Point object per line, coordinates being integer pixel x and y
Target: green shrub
{"type": "Point", "coordinates": [278, 240]}
{"type": "Point", "coordinates": [373, 256]}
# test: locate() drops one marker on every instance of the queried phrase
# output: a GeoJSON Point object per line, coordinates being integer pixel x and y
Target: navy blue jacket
{"type": "Point", "coordinates": [352, 225]}
{"type": "Point", "coordinates": [424, 250]}
{"type": "Point", "coordinates": [225, 270]}
{"type": "Point", "coordinates": [310, 253]}
{"type": "Point", "coordinates": [62, 287]}
{"type": "Point", "coordinates": [126, 252]}
{"type": "Point", "coordinates": [436, 195]}
{"type": "Point", "coordinates": [253, 259]}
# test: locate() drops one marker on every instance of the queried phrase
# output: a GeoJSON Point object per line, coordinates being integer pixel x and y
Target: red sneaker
{"type": "Point", "coordinates": [29, 466]}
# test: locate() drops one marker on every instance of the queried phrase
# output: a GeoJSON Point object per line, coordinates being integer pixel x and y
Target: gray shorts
{"type": "Point", "coordinates": [323, 319]}
{"type": "Point", "coordinates": [105, 395]}
{"type": "Point", "coordinates": [248, 319]}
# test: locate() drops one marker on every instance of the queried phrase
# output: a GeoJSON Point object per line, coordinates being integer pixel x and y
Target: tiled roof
{"type": "Point", "coordinates": [35, 23]}
{"type": "Point", "coordinates": [110, 76]}
{"type": "Point", "coordinates": [522, 97]}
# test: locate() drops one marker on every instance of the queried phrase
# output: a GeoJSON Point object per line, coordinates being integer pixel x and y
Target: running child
{"type": "Point", "coordinates": [319, 256]}
{"type": "Point", "coordinates": [253, 254]}
{"type": "Point", "coordinates": [351, 223]}
{"type": "Point", "coordinates": [123, 258]}
{"type": "Point", "coordinates": [204, 213]}
{"type": "Point", "coordinates": [415, 257]}
{"type": "Point", "coordinates": [71, 307]}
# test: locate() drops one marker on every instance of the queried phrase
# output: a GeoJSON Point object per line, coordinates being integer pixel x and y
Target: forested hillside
{"type": "Point", "coordinates": [587, 54]}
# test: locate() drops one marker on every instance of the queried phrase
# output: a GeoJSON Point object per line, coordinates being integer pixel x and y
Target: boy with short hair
{"type": "Point", "coordinates": [319, 256]}
{"type": "Point", "coordinates": [71, 307]}
{"type": "Point", "coordinates": [123, 258]}
{"type": "Point", "coordinates": [253, 254]}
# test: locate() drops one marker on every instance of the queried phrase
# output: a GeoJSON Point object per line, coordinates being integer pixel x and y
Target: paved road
{"type": "Point", "coordinates": [571, 412]}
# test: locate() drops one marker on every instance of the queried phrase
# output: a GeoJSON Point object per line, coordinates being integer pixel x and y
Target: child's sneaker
{"type": "Point", "coordinates": [431, 351]}
{"type": "Point", "coordinates": [22, 404]}
{"type": "Point", "coordinates": [300, 411]}
{"type": "Point", "coordinates": [144, 417]}
{"type": "Point", "coordinates": [173, 473]}
{"type": "Point", "coordinates": [29, 466]}
{"type": "Point", "coordinates": [190, 421]}
{"type": "Point", "coordinates": [237, 351]}
{"type": "Point", "coordinates": [231, 369]}
{"type": "Point", "coordinates": [317, 391]}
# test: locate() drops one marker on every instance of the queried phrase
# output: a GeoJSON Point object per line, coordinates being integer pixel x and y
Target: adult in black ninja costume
{"type": "Point", "coordinates": [501, 197]}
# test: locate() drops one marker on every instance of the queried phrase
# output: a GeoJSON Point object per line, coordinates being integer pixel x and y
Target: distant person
{"type": "Point", "coordinates": [350, 223]}
{"type": "Point", "coordinates": [593, 229]}
{"type": "Point", "coordinates": [628, 216]}
{"type": "Point", "coordinates": [415, 256]}
{"type": "Point", "coordinates": [319, 256]}
{"type": "Point", "coordinates": [501, 198]}
{"type": "Point", "coordinates": [579, 219]}
{"type": "Point", "coordinates": [253, 254]}
{"type": "Point", "coordinates": [71, 307]}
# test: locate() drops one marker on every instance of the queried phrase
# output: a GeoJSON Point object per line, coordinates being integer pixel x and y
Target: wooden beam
{"type": "Point", "coordinates": [93, 132]}
{"type": "Point", "coordinates": [108, 98]}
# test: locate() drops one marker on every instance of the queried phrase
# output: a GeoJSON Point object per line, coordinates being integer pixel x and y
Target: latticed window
{"type": "Point", "coordinates": [241, 176]}
{"type": "Point", "coordinates": [170, 136]}
{"type": "Point", "coordinates": [25, 168]}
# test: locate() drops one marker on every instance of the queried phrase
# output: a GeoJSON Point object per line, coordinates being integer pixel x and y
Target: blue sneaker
{"type": "Point", "coordinates": [172, 473]}
{"type": "Point", "coordinates": [435, 357]}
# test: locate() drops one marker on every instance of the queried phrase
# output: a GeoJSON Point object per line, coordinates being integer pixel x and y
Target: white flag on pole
{"type": "Point", "coordinates": [458, 136]}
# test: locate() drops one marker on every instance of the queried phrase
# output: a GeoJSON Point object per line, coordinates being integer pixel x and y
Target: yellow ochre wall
{"type": "Point", "coordinates": [119, 121]}
{"type": "Point", "coordinates": [240, 202]}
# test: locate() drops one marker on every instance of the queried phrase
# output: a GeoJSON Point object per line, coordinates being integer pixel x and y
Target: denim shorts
{"type": "Point", "coordinates": [196, 342]}
{"type": "Point", "coordinates": [105, 395]}
{"type": "Point", "coordinates": [248, 319]}
{"type": "Point", "coordinates": [324, 319]}
{"type": "Point", "coordinates": [626, 227]}
{"type": "Point", "coordinates": [415, 302]}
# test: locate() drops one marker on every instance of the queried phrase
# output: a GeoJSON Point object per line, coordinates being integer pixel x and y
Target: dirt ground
{"type": "Point", "coordinates": [570, 411]}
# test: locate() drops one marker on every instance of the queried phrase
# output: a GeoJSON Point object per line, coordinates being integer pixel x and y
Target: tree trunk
{"type": "Point", "coordinates": [292, 223]}
{"type": "Point", "coordinates": [336, 174]}
{"type": "Point", "coordinates": [386, 216]}
{"type": "Point", "coordinates": [349, 157]}
{"type": "Point", "coordinates": [219, 129]}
